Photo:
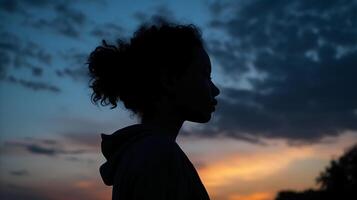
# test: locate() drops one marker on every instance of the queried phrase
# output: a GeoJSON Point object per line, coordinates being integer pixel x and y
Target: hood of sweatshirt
{"type": "Point", "coordinates": [114, 146]}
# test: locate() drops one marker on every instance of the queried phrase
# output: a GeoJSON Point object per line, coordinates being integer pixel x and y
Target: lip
{"type": "Point", "coordinates": [213, 105]}
{"type": "Point", "coordinates": [213, 108]}
{"type": "Point", "coordinates": [214, 102]}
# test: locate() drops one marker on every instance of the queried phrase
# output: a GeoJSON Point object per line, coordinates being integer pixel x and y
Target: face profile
{"type": "Point", "coordinates": [195, 98]}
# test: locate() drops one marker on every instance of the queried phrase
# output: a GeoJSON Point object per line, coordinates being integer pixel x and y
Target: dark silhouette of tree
{"type": "Point", "coordinates": [305, 195]}
{"type": "Point", "coordinates": [337, 182]}
{"type": "Point", "coordinates": [340, 178]}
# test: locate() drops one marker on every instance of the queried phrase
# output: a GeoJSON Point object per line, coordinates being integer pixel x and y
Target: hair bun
{"type": "Point", "coordinates": [104, 64]}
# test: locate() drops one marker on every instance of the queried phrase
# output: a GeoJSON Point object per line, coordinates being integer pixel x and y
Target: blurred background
{"type": "Point", "coordinates": [287, 71]}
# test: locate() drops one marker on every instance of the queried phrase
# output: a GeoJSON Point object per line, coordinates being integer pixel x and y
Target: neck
{"type": "Point", "coordinates": [166, 122]}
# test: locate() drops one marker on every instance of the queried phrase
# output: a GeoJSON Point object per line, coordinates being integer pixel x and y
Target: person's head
{"type": "Point", "coordinates": [161, 63]}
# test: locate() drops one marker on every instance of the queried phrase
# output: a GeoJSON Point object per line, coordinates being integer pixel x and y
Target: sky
{"type": "Point", "coordinates": [286, 71]}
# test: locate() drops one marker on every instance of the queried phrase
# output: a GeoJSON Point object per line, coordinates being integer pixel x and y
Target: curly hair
{"type": "Point", "coordinates": [130, 71]}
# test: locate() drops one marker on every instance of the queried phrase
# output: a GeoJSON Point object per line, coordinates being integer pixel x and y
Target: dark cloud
{"type": "Point", "coordinates": [36, 71]}
{"type": "Point", "coordinates": [108, 31]}
{"type": "Point", "coordinates": [140, 16]}
{"type": "Point", "coordinates": [21, 172]}
{"type": "Point", "coordinates": [87, 139]}
{"type": "Point", "coordinates": [82, 131]}
{"type": "Point", "coordinates": [77, 69]}
{"type": "Point", "coordinates": [67, 21]}
{"type": "Point", "coordinates": [43, 140]}
{"type": "Point", "coordinates": [41, 147]}
{"type": "Point", "coordinates": [33, 85]}
{"type": "Point", "coordinates": [43, 191]}
{"type": "Point", "coordinates": [15, 192]}
{"type": "Point", "coordinates": [16, 53]}
{"type": "Point", "coordinates": [5, 61]}
{"type": "Point", "coordinates": [80, 159]}
{"type": "Point", "coordinates": [307, 52]}
{"type": "Point", "coordinates": [75, 57]}
{"type": "Point", "coordinates": [76, 74]}
{"type": "Point", "coordinates": [21, 53]}
{"type": "Point", "coordinates": [157, 14]}
{"type": "Point", "coordinates": [9, 6]}
{"type": "Point", "coordinates": [75, 16]}
{"type": "Point", "coordinates": [217, 8]}
{"type": "Point", "coordinates": [37, 149]}
{"type": "Point", "coordinates": [21, 7]}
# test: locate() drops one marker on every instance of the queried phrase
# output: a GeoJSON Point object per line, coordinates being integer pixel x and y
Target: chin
{"type": "Point", "coordinates": [202, 118]}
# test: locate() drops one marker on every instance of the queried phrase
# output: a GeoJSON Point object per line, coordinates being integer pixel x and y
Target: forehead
{"type": "Point", "coordinates": [202, 61]}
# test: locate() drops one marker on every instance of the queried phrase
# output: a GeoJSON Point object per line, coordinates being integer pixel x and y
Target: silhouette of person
{"type": "Point", "coordinates": [163, 75]}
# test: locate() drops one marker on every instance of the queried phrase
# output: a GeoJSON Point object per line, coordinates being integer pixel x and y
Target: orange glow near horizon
{"type": "Point", "coordinates": [251, 167]}
{"type": "Point", "coordinates": [258, 172]}
{"type": "Point", "coordinates": [233, 170]}
{"type": "Point", "coordinates": [254, 196]}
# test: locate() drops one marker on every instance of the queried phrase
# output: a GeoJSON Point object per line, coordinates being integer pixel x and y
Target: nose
{"type": "Point", "coordinates": [215, 90]}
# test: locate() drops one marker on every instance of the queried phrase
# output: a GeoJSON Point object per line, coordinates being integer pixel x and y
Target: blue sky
{"type": "Point", "coordinates": [74, 94]}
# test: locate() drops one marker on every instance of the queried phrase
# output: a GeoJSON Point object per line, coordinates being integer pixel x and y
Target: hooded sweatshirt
{"type": "Point", "coordinates": [145, 163]}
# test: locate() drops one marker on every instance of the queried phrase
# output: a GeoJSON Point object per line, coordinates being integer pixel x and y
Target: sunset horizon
{"type": "Point", "coordinates": [287, 107]}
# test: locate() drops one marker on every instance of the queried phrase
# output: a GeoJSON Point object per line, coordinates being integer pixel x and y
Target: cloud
{"type": "Point", "coordinates": [76, 74]}
{"type": "Point", "coordinates": [86, 139]}
{"type": "Point", "coordinates": [83, 131]}
{"type": "Point", "coordinates": [301, 57]}
{"type": "Point", "coordinates": [82, 136]}
{"type": "Point", "coordinates": [67, 21]}
{"type": "Point", "coordinates": [14, 191]}
{"type": "Point", "coordinates": [31, 84]}
{"type": "Point", "coordinates": [82, 188]}
{"type": "Point", "coordinates": [40, 147]}
{"type": "Point", "coordinates": [21, 172]}
{"type": "Point", "coordinates": [5, 60]}
{"type": "Point", "coordinates": [77, 69]}
{"type": "Point", "coordinates": [108, 31]}
{"type": "Point", "coordinates": [16, 53]}
{"type": "Point", "coordinates": [9, 6]}
{"type": "Point", "coordinates": [75, 16]}
{"type": "Point", "coordinates": [80, 159]}
{"type": "Point", "coordinates": [21, 7]}
{"type": "Point", "coordinates": [162, 11]}
{"type": "Point", "coordinates": [37, 149]}
{"type": "Point", "coordinates": [20, 53]}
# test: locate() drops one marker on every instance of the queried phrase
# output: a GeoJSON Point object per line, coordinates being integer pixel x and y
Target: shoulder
{"type": "Point", "coordinates": [153, 150]}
